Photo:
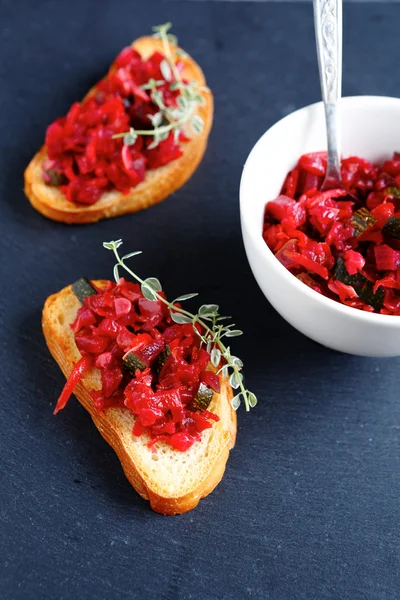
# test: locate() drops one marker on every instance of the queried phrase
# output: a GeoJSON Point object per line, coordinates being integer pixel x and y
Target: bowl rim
{"type": "Point", "coordinates": [268, 256]}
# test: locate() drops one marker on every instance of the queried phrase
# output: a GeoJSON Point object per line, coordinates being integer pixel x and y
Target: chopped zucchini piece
{"type": "Point", "coordinates": [361, 221]}
{"type": "Point", "coordinates": [392, 228]}
{"type": "Point", "coordinates": [393, 191]}
{"type": "Point", "coordinates": [162, 358]}
{"type": "Point", "coordinates": [363, 286]}
{"type": "Point", "coordinates": [131, 363]}
{"type": "Point", "coordinates": [83, 288]}
{"type": "Point", "coordinates": [55, 178]}
{"type": "Point", "coordinates": [203, 397]}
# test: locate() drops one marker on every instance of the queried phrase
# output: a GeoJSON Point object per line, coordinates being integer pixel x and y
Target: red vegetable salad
{"type": "Point", "coordinates": [83, 157]}
{"type": "Point", "coordinates": [148, 364]}
{"type": "Point", "coordinates": [346, 247]}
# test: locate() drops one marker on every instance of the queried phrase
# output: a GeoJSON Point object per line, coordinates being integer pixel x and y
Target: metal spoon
{"type": "Point", "coordinates": [328, 35]}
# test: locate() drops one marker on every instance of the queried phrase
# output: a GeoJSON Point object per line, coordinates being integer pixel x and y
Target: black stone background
{"type": "Point", "coordinates": [309, 505]}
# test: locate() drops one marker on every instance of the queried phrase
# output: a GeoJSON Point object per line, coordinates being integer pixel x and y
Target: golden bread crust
{"type": "Point", "coordinates": [157, 185]}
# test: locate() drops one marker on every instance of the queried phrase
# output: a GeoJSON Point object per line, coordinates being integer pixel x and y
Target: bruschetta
{"type": "Point", "coordinates": [146, 378]}
{"type": "Point", "coordinates": [137, 137]}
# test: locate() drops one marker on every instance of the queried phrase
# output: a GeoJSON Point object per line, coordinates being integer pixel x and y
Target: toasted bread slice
{"type": "Point", "coordinates": [173, 481]}
{"type": "Point", "coordinates": [157, 184]}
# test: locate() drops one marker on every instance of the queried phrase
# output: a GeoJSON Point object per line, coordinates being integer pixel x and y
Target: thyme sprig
{"type": "Point", "coordinates": [169, 118]}
{"type": "Point", "coordinates": [211, 330]}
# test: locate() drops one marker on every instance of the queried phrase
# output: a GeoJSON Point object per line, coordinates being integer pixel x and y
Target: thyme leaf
{"type": "Point", "coordinates": [169, 119]}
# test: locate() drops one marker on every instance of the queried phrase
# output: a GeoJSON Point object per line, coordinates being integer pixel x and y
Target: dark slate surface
{"type": "Point", "coordinates": [309, 506]}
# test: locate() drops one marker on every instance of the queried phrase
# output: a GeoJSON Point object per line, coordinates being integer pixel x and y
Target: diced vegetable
{"type": "Point", "coordinates": [131, 363]}
{"type": "Point", "coordinates": [203, 397]}
{"type": "Point", "coordinates": [163, 357]}
{"type": "Point", "coordinates": [362, 220]}
{"type": "Point", "coordinates": [211, 380]}
{"type": "Point", "coordinates": [362, 285]}
{"type": "Point", "coordinates": [83, 289]}
{"type": "Point", "coordinates": [308, 280]}
{"type": "Point", "coordinates": [386, 258]}
{"type": "Point", "coordinates": [353, 261]}
{"type": "Point", "coordinates": [393, 191]}
{"type": "Point", "coordinates": [392, 228]}
{"type": "Point", "coordinates": [54, 177]}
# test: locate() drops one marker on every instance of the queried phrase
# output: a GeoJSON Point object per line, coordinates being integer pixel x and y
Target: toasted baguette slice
{"type": "Point", "coordinates": [157, 184]}
{"type": "Point", "coordinates": [173, 481]}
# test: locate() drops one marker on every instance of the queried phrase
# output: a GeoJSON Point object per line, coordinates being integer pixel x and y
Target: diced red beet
{"type": "Point", "coordinates": [149, 308]}
{"type": "Point", "coordinates": [310, 265]}
{"type": "Point", "coordinates": [108, 327]}
{"type": "Point", "coordinates": [122, 307]}
{"type": "Point", "coordinates": [285, 254]}
{"type": "Point", "coordinates": [386, 258]}
{"type": "Point", "coordinates": [389, 281]}
{"type": "Point", "coordinates": [84, 318]}
{"type": "Point", "coordinates": [290, 186]}
{"type": "Point", "coordinates": [125, 339]}
{"type": "Point", "coordinates": [342, 290]}
{"type": "Point", "coordinates": [353, 261]}
{"type": "Point", "coordinates": [150, 351]}
{"type": "Point", "coordinates": [382, 213]}
{"type": "Point", "coordinates": [105, 361]}
{"type": "Point", "coordinates": [90, 344]}
{"type": "Point", "coordinates": [281, 208]}
{"type": "Point", "coordinates": [314, 163]}
{"type": "Point", "coordinates": [110, 379]}
{"type": "Point", "coordinates": [371, 236]}
{"type": "Point", "coordinates": [138, 341]}
{"type": "Point", "coordinates": [163, 153]}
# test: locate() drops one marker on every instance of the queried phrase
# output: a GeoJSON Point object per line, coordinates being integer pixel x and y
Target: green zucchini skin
{"type": "Point", "coordinates": [203, 397]}
{"type": "Point", "coordinates": [392, 228]}
{"type": "Point", "coordinates": [363, 286]}
{"type": "Point", "coordinates": [131, 363]}
{"type": "Point", "coordinates": [56, 178]}
{"type": "Point", "coordinates": [83, 289]}
{"type": "Point", "coordinates": [393, 191]}
{"type": "Point", "coordinates": [361, 221]}
{"type": "Point", "coordinates": [162, 358]}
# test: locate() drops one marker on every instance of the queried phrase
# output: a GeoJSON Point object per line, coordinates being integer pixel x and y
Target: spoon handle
{"type": "Point", "coordinates": [328, 35]}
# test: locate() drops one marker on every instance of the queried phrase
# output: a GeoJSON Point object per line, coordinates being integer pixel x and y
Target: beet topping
{"type": "Point", "coordinates": [169, 365]}
{"type": "Point", "coordinates": [83, 158]}
{"type": "Point", "coordinates": [344, 248]}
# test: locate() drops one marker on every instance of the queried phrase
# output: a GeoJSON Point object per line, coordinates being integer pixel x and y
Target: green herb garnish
{"type": "Point", "coordinates": [169, 118]}
{"type": "Point", "coordinates": [207, 317]}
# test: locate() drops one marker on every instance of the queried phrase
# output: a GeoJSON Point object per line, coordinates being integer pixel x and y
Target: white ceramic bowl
{"type": "Point", "coordinates": [370, 129]}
